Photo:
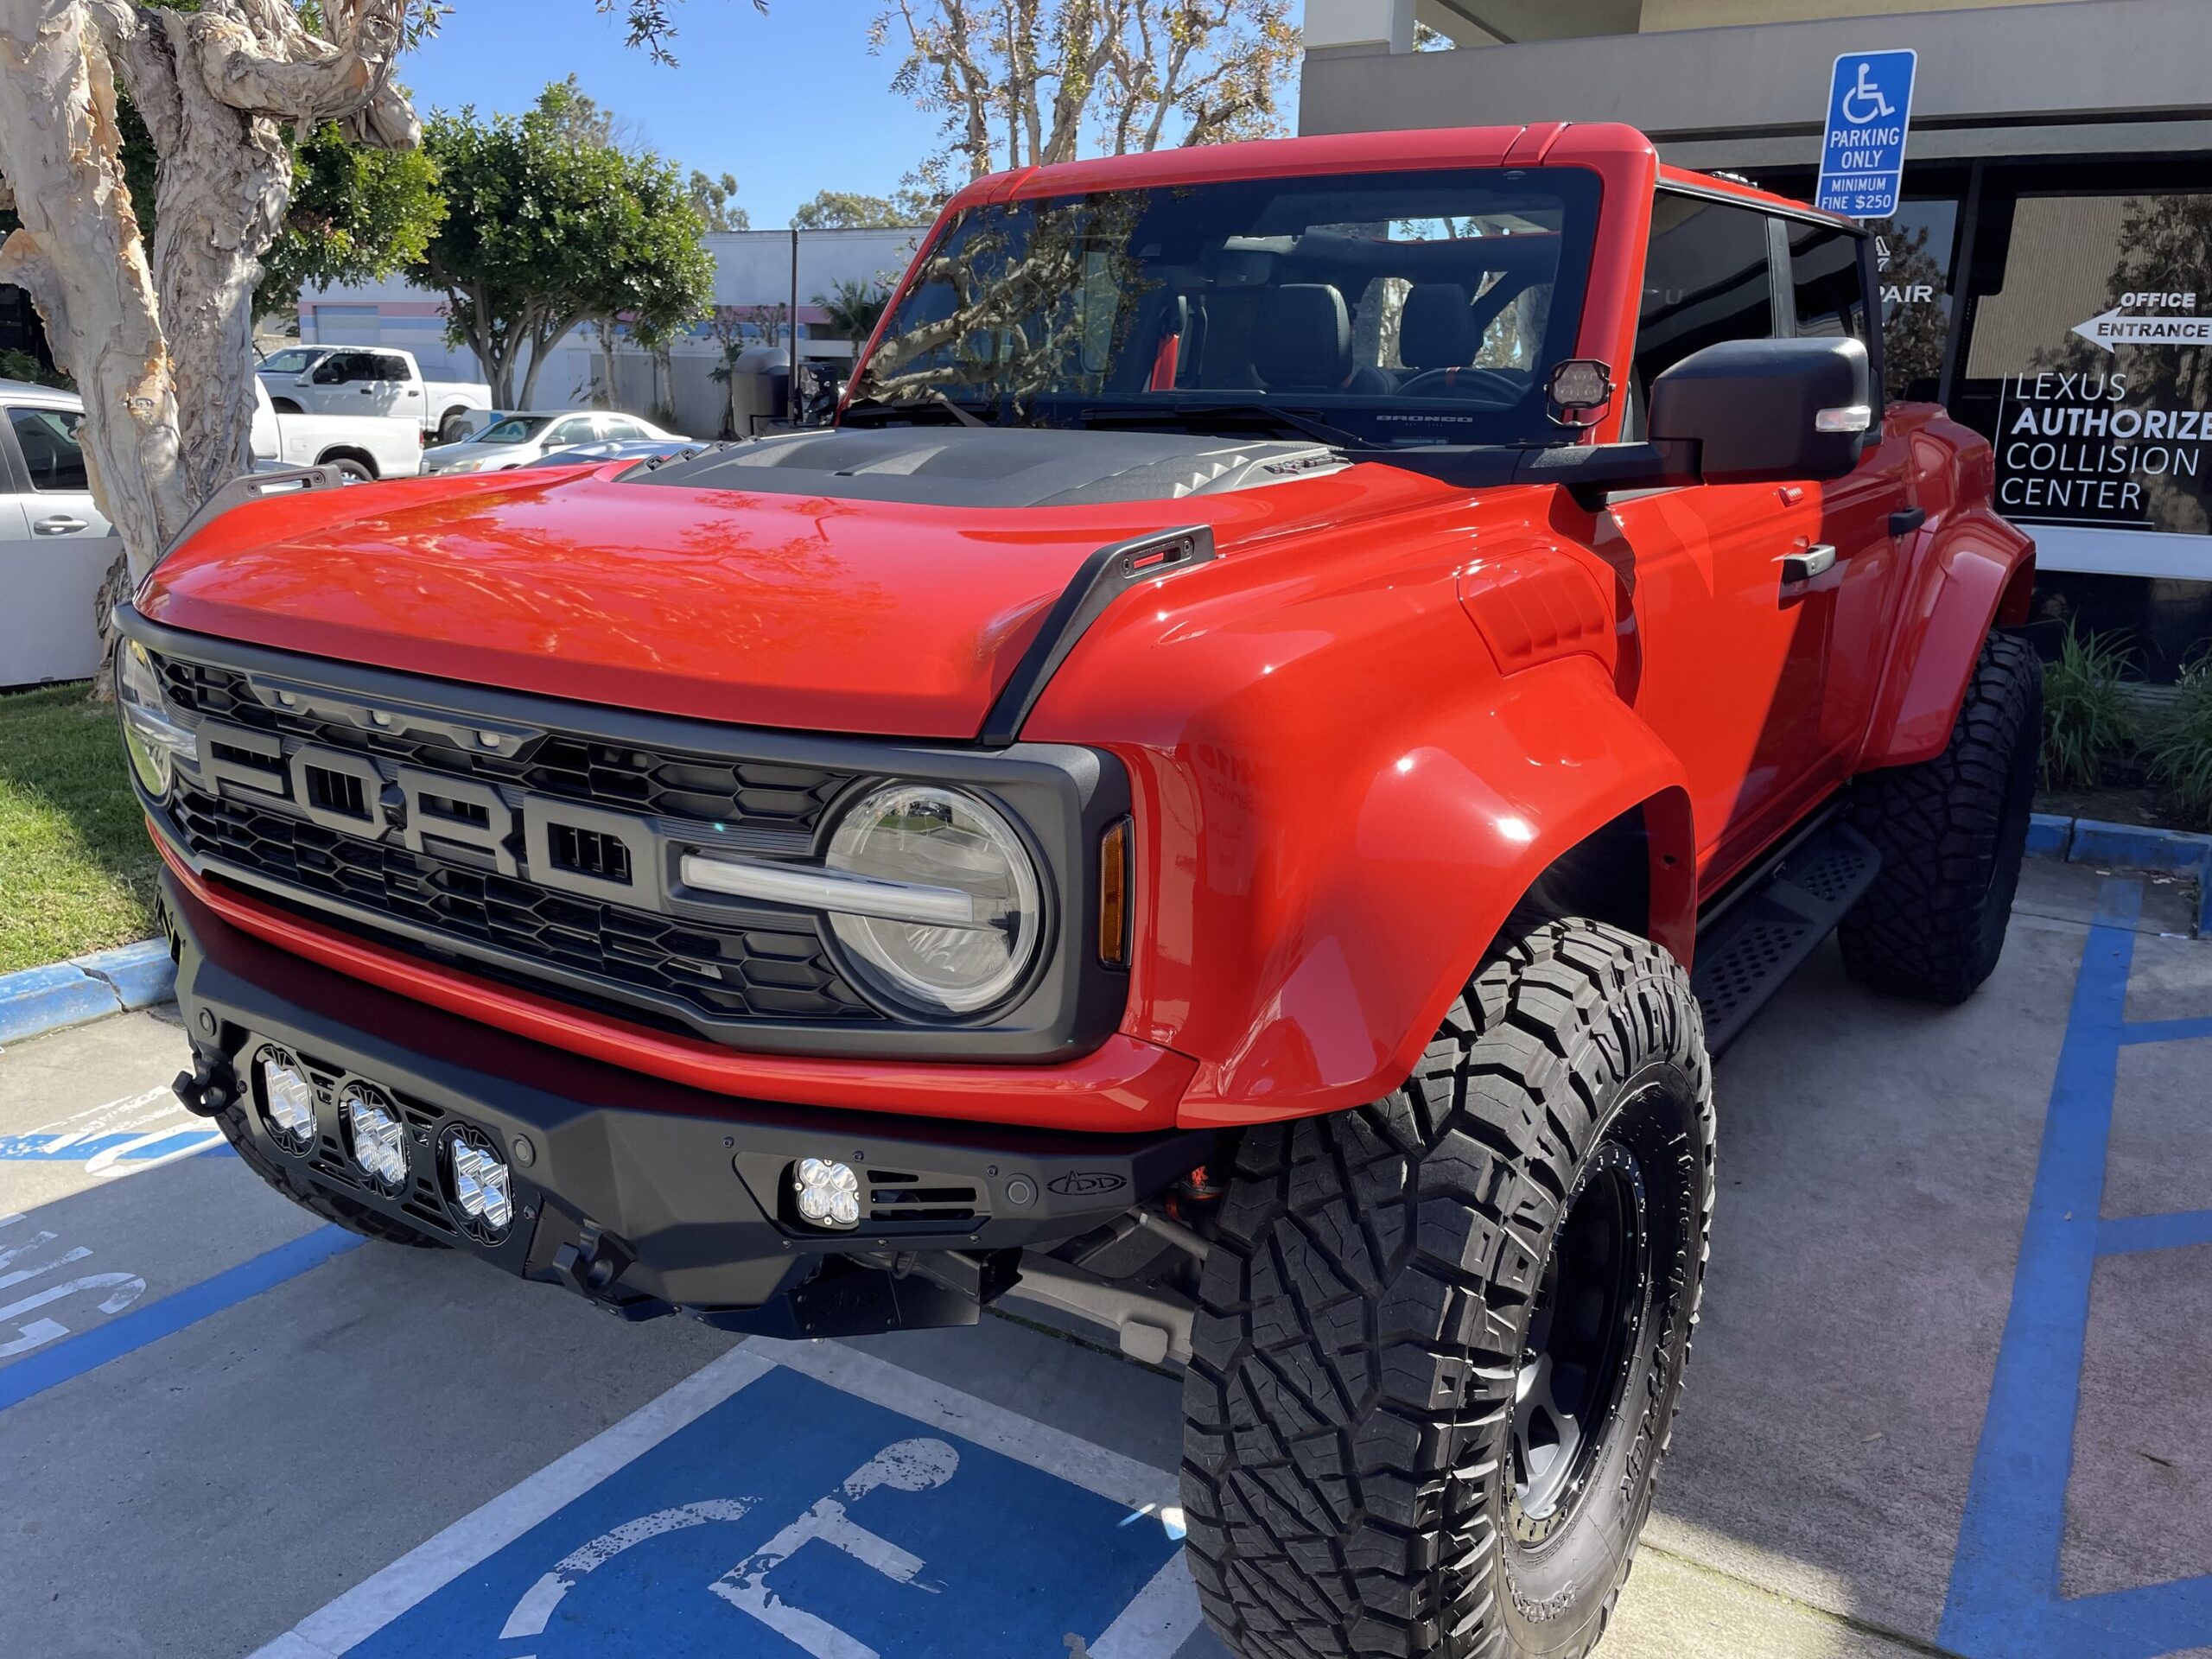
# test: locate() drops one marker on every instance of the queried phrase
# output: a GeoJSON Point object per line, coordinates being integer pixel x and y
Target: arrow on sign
{"type": "Point", "coordinates": [2110, 329]}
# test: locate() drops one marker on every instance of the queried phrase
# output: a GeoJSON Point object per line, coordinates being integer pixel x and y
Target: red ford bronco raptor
{"type": "Point", "coordinates": [1234, 792]}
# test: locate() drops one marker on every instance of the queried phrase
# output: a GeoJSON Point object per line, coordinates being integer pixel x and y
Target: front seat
{"type": "Point", "coordinates": [1436, 330]}
{"type": "Point", "coordinates": [1304, 344]}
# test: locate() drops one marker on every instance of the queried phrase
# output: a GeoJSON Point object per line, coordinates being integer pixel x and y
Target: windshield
{"type": "Point", "coordinates": [515, 428]}
{"type": "Point", "coordinates": [1394, 307]}
{"type": "Point", "coordinates": [292, 361]}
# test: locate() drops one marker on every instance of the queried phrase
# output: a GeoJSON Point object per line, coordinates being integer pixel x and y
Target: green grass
{"type": "Point", "coordinates": [76, 869]}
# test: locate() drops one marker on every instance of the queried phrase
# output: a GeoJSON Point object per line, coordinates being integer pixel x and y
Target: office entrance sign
{"type": "Point", "coordinates": [1862, 158]}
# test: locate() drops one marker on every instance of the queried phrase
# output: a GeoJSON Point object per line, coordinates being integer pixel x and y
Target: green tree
{"type": "Point", "coordinates": [716, 202]}
{"type": "Point", "coordinates": [357, 215]}
{"type": "Point", "coordinates": [848, 210]}
{"type": "Point", "coordinates": [543, 232]}
{"type": "Point", "coordinates": [853, 308]}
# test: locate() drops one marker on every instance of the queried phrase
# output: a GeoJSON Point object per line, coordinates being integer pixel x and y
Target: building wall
{"type": "Point", "coordinates": [1723, 14]}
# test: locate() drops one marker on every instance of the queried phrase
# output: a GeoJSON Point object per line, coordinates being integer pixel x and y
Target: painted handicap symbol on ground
{"type": "Point", "coordinates": [794, 1517]}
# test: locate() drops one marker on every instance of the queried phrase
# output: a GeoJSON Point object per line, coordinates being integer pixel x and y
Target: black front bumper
{"type": "Point", "coordinates": [646, 1196]}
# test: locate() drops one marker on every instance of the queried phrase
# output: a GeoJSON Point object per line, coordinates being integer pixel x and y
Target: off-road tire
{"type": "Point", "coordinates": [1952, 832]}
{"type": "Point", "coordinates": [1350, 1404]}
{"type": "Point", "coordinates": [353, 1217]}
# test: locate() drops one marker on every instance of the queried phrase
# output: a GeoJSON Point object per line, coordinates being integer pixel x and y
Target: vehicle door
{"type": "Point", "coordinates": [1866, 517]}
{"type": "Point", "coordinates": [391, 387]}
{"type": "Point", "coordinates": [54, 548]}
{"type": "Point", "coordinates": [1724, 658]}
{"type": "Point", "coordinates": [568, 433]}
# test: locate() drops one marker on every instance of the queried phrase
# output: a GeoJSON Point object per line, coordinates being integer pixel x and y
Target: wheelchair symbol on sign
{"type": "Point", "coordinates": [1864, 104]}
{"type": "Point", "coordinates": [915, 1466]}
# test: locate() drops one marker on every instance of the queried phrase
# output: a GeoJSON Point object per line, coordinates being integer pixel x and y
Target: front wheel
{"type": "Point", "coordinates": [1441, 1338]}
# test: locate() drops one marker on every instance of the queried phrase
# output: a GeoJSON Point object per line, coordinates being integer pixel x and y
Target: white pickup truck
{"type": "Point", "coordinates": [362, 446]}
{"type": "Point", "coordinates": [371, 380]}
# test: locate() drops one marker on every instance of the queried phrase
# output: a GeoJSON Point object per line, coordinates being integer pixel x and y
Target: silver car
{"type": "Point", "coordinates": [514, 440]}
{"type": "Point", "coordinates": [55, 547]}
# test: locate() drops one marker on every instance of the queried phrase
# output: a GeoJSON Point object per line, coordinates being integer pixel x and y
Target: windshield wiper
{"type": "Point", "coordinates": [928, 404]}
{"type": "Point", "coordinates": [1216, 415]}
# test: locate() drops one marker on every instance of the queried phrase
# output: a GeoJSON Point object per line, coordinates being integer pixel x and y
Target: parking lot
{"type": "Point", "coordinates": [1949, 1393]}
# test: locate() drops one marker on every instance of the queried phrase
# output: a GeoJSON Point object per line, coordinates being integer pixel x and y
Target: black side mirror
{"type": "Point", "coordinates": [1765, 411]}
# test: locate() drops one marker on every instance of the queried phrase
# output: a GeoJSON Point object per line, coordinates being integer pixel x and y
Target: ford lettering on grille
{"type": "Point", "coordinates": [566, 845]}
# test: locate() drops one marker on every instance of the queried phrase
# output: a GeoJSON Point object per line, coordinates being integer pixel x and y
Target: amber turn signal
{"type": "Point", "coordinates": [1113, 896]}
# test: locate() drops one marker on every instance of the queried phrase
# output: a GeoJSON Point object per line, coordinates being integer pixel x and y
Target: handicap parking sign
{"type": "Point", "coordinates": [1862, 158]}
{"type": "Point", "coordinates": [791, 1519]}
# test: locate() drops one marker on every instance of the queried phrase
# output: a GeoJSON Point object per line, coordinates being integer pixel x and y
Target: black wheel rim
{"type": "Point", "coordinates": [1591, 1302]}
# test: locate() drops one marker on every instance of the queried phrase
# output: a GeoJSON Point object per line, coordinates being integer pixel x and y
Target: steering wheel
{"type": "Point", "coordinates": [1498, 387]}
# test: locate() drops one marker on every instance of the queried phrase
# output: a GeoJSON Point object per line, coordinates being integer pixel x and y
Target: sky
{"type": "Point", "coordinates": [791, 103]}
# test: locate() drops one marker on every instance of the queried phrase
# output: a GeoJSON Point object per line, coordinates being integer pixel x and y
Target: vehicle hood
{"type": "Point", "coordinates": [803, 610]}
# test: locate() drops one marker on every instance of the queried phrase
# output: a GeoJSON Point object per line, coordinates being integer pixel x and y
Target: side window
{"type": "Point", "coordinates": [47, 438]}
{"type": "Point", "coordinates": [338, 369]}
{"type": "Point", "coordinates": [1705, 279]}
{"type": "Point", "coordinates": [576, 429]}
{"type": "Point", "coordinates": [1830, 300]}
{"type": "Point", "coordinates": [389, 367]}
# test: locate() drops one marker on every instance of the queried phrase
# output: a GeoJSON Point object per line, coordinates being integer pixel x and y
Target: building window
{"type": "Point", "coordinates": [2090, 364]}
{"type": "Point", "coordinates": [1912, 254]}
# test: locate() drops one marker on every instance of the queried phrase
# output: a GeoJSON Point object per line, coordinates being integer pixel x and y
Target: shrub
{"type": "Point", "coordinates": [2088, 715]}
{"type": "Point", "coordinates": [2181, 749]}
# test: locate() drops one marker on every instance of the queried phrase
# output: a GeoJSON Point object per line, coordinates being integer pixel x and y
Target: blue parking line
{"type": "Point", "coordinates": [2004, 1600]}
{"type": "Point", "coordinates": [2164, 1031]}
{"type": "Point", "coordinates": [2131, 1235]}
{"type": "Point", "coordinates": [50, 1366]}
{"type": "Point", "coordinates": [70, 1149]}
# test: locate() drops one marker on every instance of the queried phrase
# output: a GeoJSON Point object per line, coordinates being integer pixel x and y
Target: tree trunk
{"type": "Point", "coordinates": [80, 257]}
{"type": "Point", "coordinates": [162, 350]}
{"type": "Point", "coordinates": [225, 180]}
{"type": "Point", "coordinates": [610, 389]}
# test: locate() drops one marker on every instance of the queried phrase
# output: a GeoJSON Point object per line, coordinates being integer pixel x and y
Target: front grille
{"type": "Point", "coordinates": [624, 778]}
{"type": "Point", "coordinates": [745, 973]}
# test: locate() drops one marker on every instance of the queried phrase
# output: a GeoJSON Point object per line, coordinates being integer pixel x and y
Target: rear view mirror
{"type": "Point", "coordinates": [1765, 411]}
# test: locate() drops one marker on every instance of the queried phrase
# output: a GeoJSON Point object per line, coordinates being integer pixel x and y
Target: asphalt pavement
{"type": "Point", "coordinates": [1949, 1392]}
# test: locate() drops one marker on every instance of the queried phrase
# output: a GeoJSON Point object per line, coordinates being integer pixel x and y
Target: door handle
{"type": "Point", "coordinates": [59, 524]}
{"type": "Point", "coordinates": [1905, 520]}
{"type": "Point", "coordinates": [413, 392]}
{"type": "Point", "coordinates": [1807, 562]}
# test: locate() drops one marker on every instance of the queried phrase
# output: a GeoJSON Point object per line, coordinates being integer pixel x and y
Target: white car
{"type": "Point", "coordinates": [55, 548]}
{"type": "Point", "coordinates": [363, 446]}
{"type": "Point", "coordinates": [369, 380]}
{"type": "Point", "coordinates": [514, 440]}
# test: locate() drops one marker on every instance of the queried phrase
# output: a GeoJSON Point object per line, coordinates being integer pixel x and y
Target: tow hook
{"type": "Point", "coordinates": [209, 1087]}
{"type": "Point", "coordinates": [592, 1262]}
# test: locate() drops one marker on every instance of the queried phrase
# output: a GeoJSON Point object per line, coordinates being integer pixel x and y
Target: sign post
{"type": "Point", "coordinates": [1862, 157]}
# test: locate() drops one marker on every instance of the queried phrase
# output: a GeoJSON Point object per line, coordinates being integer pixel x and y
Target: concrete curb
{"type": "Point", "coordinates": [2127, 846]}
{"type": "Point", "coordinates": [40, 1000]}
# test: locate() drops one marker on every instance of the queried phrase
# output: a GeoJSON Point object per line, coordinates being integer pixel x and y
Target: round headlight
{"type": "Point", "coordinates": [149, 735]}
{"type": "Point", "coordinates": [922, 835]}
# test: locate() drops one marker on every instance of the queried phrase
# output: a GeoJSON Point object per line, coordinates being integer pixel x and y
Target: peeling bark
{"type": "Point", "coordinates": [80, 257]}
{"type": "Point", "coordinates": [161, 346]}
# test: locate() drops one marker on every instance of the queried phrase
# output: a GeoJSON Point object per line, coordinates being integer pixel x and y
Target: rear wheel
{"type": "Point", "coordinates": [453, 425]}
{"type": "Point", "coordinates": [353, 471]}
{"type": "Point", "coordinates": [1441, 1339]}
{"type": "Point", "coordinates": [1952, 832]}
